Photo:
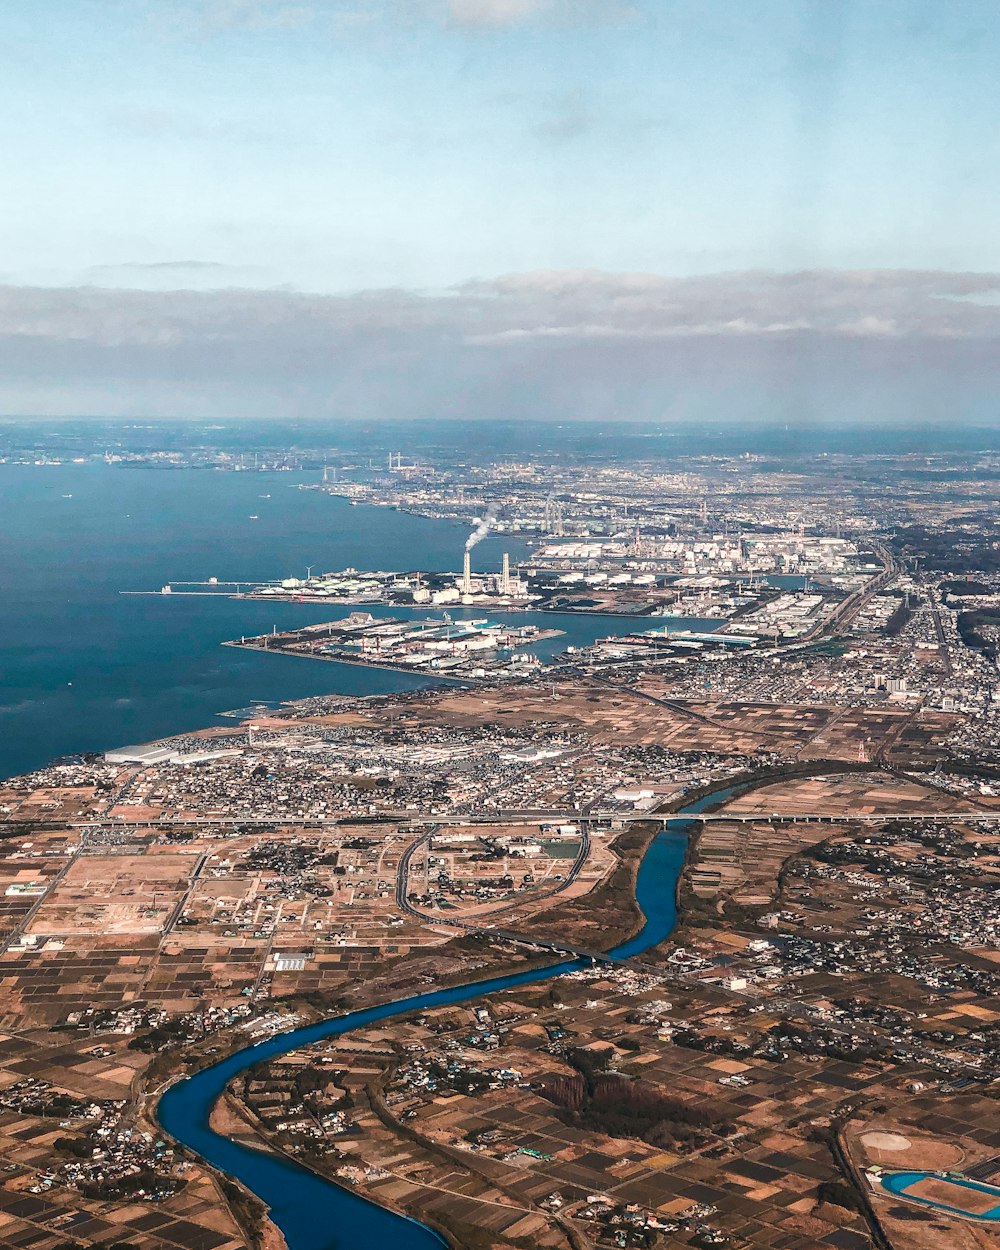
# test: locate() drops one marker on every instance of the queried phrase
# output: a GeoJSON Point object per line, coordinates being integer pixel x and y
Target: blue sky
{"type": "Point", "coordinates": [602, 208]}
{"type": "Point", "coordinates": [337, 145]}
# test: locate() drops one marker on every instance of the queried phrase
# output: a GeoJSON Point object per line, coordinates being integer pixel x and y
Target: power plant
{"type": "Point", "coordinates": [502, 585]}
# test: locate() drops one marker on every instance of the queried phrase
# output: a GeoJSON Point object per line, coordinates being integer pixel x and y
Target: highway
{"type": "Point", "coordinates": [853, 604]}
{"type": "Point", "coordinates": [594, 819]}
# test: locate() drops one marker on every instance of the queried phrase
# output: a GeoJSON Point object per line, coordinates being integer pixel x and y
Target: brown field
{"type": "Point", "coordinates": [846, 794]}
{"type": "Point", "coordinates": [951, 1194]}
{"type": "Point", "coordinates": [208, 922]}
{"type": "Point", "coordinates": [622, 716]}
{"type": "Point", "coordinates": [741, 861]}
{"type": "Point", "coordinates": [48, 802]}
{"type": "Point", "coordinates": [885, 1146]}
{"type": "Point", "coordinates": [106, 894]}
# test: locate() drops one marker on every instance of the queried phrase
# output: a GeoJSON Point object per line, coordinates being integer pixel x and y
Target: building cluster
{"type": "Point", "coordinates": [101, 1153]}
{"type": "Point", "coordinates": [315, 772]}
{"type": "Point", "coordinates": [745, 555]}
{"type": "Point", "coordinates": [687, 499]}
{"type": "Point", "coordinates": [473, 649]}
{"type": "Point", "coordinates": [903, 649]}
{"type": "Point", "coordinates": [434, 588]}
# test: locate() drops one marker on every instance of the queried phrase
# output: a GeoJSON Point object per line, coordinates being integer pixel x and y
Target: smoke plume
{"type": "Point", "coordinates": [481, 530]}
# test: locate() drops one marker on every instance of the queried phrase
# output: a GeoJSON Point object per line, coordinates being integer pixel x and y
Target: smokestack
{"type": "Point", "coordinates": [505, 575]}
{"type": "Point", "coordinates": [467, 573]}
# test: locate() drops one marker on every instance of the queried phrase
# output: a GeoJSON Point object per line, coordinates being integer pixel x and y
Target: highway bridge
{"type": "Point", "coordinates": [828, 818]}
{"type": "Point", "coordinates": [588, 823]}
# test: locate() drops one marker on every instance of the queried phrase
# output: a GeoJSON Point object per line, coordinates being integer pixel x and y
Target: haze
{"type": "Point", "coordinates": [487, 208]}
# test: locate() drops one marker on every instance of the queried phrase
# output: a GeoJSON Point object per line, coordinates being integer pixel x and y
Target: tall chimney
{"type": "Point", "coordinates": [467, 574]}
{"type": "Point", "coordinates": [505, 575]}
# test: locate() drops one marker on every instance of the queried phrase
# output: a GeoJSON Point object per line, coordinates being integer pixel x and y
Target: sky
{"type": "Point", "coordinates": [213, 206]}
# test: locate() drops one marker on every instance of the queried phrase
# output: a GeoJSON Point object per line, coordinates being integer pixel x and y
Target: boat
{"type": "Point", "coordinates": [254, 517]}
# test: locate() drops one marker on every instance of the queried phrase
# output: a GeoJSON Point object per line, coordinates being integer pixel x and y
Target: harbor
{"type": "Point", "coordinates": [442, 647]}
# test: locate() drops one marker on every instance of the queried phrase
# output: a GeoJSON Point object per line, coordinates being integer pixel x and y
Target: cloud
{"type": "Point", "coordinates": [208, 17]}
{"type": "Point", "coordinates": [566, 304]}
{"type": "Point", "coordinates": [487, 13]}
{"type": "Point", "coordinates": [253, 15]}
{"type": "Point", "coordinates": [157, 266]}
{"type": "Point", "coordinates": [169, 275]}
{"type": "Point", "coordinates": [559, 343]}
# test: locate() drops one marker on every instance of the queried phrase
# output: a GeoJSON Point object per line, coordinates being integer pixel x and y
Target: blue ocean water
{"type": "Point", "coordinates": [85, 668]}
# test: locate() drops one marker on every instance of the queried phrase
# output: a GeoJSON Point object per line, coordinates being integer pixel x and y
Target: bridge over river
{"type": "Point", "coordinates": [606, 818]}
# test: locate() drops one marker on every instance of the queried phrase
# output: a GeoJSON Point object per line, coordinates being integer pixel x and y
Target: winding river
{"type": "Point", "coordinates": [316, 1214]}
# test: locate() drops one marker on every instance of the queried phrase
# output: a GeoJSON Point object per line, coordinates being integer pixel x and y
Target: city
{"type": "Point", "coordinates": [499, 625]}
{"type": "Point", "coordinates": [805, 721]}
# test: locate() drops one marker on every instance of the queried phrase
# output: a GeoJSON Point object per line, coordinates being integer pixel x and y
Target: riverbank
{"type": "Point", "coordinates": [652, 873]}
{"type": "Point", "coordinates": [185, 1108]}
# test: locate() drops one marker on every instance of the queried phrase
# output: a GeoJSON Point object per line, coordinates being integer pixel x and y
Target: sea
{"type": "Point", "coordinates": [85, 666]}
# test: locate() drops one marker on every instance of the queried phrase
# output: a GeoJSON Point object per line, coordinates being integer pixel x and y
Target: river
{"type": "Point", "coordinates": [316, 1214]}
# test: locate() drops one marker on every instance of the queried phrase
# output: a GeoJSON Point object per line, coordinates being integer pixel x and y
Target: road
{"type": "Point", "coordinates": [853, 604]}
{"type": "Point", "coordinates": [943, 648]}
{"type": "Point", "coordinates": [403, 876]}
{"type": "Point", "coordinates": [671, 705]}
{"type": "Point", "coordinates": [595, 818]}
